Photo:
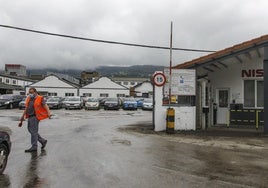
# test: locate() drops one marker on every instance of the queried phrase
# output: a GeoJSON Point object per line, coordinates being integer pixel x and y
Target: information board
{"type": "Point", "coordinates": [182, 83]}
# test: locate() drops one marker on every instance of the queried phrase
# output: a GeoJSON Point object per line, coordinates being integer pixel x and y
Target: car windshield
{"type": "Point", "coordinates": [148, 100]}
{"type": "Point", "coordinates": [5, 97]}
{"type": "Point", "coordinates": [111, 99]}
{"type": "Point", "coordinates": [72, 99]}
{"type": "Point", "coordinates": [53, 99]}
{"type": "Point", "coordinates": [92, 100]}
{"type": "Point", "coordinates": [130, 99]}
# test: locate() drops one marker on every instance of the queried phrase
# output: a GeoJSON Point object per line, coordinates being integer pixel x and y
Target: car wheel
{"type": "Point", "coordinates": [66, 108]}
{"type": "Point", "coordinates": [3, 157]}
{"type": "Point", "coordinates": [10, 106]}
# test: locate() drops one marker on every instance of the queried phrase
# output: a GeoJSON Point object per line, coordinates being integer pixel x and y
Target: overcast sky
{"type": "Point", "coordinates": [198, 24]}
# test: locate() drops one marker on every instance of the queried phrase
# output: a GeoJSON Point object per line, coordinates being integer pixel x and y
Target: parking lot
{"type": "Point", "coordinates": [119, 149]}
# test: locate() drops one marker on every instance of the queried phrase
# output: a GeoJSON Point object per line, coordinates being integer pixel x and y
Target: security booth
{"type": "Point", "coordinates": [174, 110]}
{"type": "Point", "coordinates": [230, 86]}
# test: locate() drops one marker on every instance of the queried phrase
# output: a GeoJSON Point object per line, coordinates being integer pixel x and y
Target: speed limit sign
{"type": "Point", "coordinates": [159, 79]}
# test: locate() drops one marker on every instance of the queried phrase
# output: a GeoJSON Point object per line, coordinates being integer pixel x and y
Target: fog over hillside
{"type": "Point", "coordinates": [109, 71]}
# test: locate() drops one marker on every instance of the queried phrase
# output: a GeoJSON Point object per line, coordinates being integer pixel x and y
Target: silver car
{"type": "Point", "coordinates": [92, 104]}
{"type": "Point", "coordinates": [147, 104]}
{"type": "Point", "coordinates": [73, 103]}
{"type": "Point", "coordinates": [54, 102]}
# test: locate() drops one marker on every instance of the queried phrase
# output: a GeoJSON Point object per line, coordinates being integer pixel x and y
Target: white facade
{"type": "Point", "coordinates": [54, 86]}
{"type": "Point", "coordinates": [144, 89]}
{"type": "Point", "coordinates": [14, 80]}
{"type": "Point", "coordinates": [129, 82]}
{"type": "Point", "coordinates": [231, 81]}
{"type": "Point", "coordinates": [184, 115]}
{"type": "Point", "coordinates": [104, 87]}
{"type": "Point", "coordinates": [230, 86]}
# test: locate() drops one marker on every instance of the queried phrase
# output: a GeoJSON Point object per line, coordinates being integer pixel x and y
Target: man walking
{"type": "Point", "coordinates": [35, 111]}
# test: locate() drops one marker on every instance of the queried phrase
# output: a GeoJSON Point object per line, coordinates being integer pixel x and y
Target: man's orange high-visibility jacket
{"type": "Point", "coordinates": [40, 111]}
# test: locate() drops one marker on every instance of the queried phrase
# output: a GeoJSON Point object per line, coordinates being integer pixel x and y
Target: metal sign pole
{"type": "Point", "coordinates": [170, 63]}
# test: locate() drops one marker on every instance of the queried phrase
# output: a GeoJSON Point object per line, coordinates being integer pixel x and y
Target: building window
{"type": "Point", "coordinates": [1, 80]}
{"type": "Point", "coordinates": [7, 81]}
{"type": "Point", "coordinates": [132, 83]}
{"type": "Point", "coordinates": [260, 93]}
{"type": "Point", "coordinates": [87, 94]}
{"type": "Point", "coordinates": [69, 94]}
{"type": "Point", "coordinates": [253, 93]}
{"type": "Point", "coordinates": [104, 95]}
{"type": "Point", "coordinates": [207, 97]}
{"type": "Point", "coordinates": [249, 93]}
{"type": "Point", "coordinates": [186, 100]}
{"type": "Point", "coordinates": [52, 94]}
{"type": "Point", "coordinates": [223, 98]}
{"type": "Point", "coordinates": [125, 83]}
{"type": "Point", "coordinates": [14, 82]}
{"type": "Point", "coordinates": [120, 95]}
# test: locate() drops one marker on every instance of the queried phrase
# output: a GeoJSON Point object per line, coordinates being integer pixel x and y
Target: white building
{"type": "Point", "coordinates": [13, 84]}
{"type": "Point", "coordinates": [15, 80]}
{"type": "Point", "coordinates": [104, 87]}
{"type": "Point", "coordinates": [230, 87]}
{"type": "Point", "coordinates": [144, 89]}
{"type": "Point", "coordinates": [55, 86]}
{"type": "Point", "coordinates": [129, 82]}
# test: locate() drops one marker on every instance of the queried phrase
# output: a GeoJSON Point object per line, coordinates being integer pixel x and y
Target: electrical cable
{"type": "Point", "coordinates": [102, 41]}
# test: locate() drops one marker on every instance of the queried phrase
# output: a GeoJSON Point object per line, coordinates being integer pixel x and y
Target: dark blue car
{"type": "Point", "coordinates": [139, 102]}
{"type": "Point", "coordinates": [130, 104]}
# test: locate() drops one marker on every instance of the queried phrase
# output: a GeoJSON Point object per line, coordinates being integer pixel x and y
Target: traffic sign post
{"type": "Point", "coordinates": [159, 79]}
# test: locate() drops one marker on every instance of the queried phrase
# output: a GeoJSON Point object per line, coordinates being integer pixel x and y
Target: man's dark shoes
{"type": "Point", "coordinates": [44, 144]}
{"type": "Point", "coordinates": [30, 150]}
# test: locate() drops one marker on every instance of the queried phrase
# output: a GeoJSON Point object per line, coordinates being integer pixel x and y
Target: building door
{"type": "Point", "coordinates": [223, 96]}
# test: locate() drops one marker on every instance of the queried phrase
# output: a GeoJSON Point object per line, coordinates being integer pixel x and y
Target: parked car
{"type": "Point", "coordinates": [5, 146]}
{"type": "Point", "coordinates": [54, 102]}
{"type": "Point", "coordinates": [147, 104]}
{"type": "Point", "coordinates": [10, 101]}
{"type": "Point", "coordinates": [130, 104]}
{"type": "Point", "coordinates": [102, 101]}
{"type": "Point", "coordinates": [22, 103]}
{"type": "Point", "coordinates": [73, 103]}
{"type": "Point", "coordinates": [92, 104]}
{"type": "Point", "coordinates": [112, 104]}
{"type": "Point", "coordinates": [139, 102]}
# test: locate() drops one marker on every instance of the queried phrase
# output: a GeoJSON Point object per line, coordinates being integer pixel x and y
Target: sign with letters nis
{"type": "Point", "coordinates": [182, 83]}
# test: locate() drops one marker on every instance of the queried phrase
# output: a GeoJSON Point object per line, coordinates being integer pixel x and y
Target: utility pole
{"type": "Point", "coordinates": [170, 124]}
{"type": "Point", "coordinates": [170, 64]}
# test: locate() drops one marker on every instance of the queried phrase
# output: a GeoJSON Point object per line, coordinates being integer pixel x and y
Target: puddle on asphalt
{"type": "Point", "coordinates": [121, 141]}
{"type": "Point", "coordinates": [32, 178]}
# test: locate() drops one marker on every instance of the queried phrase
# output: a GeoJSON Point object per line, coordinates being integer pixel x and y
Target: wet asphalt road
{"type": "Point", "coordinates": [92, 149]}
